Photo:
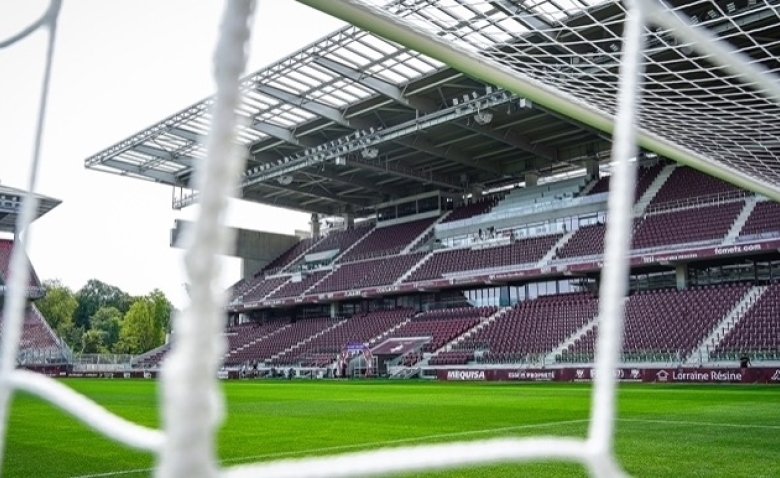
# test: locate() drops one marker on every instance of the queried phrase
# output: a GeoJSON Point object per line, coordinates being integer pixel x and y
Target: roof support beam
{"type": "Point", "coordinates": [520, 13]}
{"type": "Point", "coordinates": [328, 112]}
{"type": "Point", "coordinates": [260, 197]}
{"type": "Point", "coordinates": [278, 132]}
{"type": "Point", "coordinates": [387, 168]}
{"type": "Point", "coordinates": [449, 153]}
{"type": "Point", "coordinates": [350, 179]}
{"type": "Point", "coordinates": [315, 193]}
{"type": "Point", "coordinates": [160, 176]}
{"type": "Point", "coordinates": [188, 135]}
{"type": "Point", "coordinates": [393, 92]}
{"type": "Point", "coordinates": [382, 87]}
{"type": "Point", "coordinates": [512, 138]}
{"type": "Point", "coordinates": [161, 153]}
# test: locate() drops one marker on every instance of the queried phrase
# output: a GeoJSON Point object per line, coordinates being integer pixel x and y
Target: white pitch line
{"type": "Point", "coordinates": [704, 424]}
{"type": "Point", "coordinates": [358, 445]}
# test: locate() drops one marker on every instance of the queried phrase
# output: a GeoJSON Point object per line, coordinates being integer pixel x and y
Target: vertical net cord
{"type": "Point", "coordinates": [192, 401]}
{"type": "Point", "coordinates": [615, 274]}
{"type": "Point", "coordinates": [19, 272]}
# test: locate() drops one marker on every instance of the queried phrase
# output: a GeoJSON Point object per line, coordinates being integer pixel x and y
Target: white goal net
{"type": "Point", "coordinates": [651, 75]}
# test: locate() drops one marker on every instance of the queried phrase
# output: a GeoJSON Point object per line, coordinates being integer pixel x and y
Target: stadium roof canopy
{"type": "Point", "coordinates": [11, 206]}
{"type": "Point", "coordinates": [355, 120]}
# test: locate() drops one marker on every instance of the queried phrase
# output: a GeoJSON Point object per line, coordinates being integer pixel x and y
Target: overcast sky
{"type": "Point", "coordinates": [120, 66]}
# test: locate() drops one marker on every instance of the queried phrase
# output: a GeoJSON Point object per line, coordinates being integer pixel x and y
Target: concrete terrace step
{"type": "Point", "coordinates": [726, 324]}
{"type": "Point", "coordinates": [308, 339]}
{"type": "Point", "coordinates": [416, 240]}
{"type": "Point", "coordinates": [739, 222]}
{"type": "Point", "coordinates": [652, 190]}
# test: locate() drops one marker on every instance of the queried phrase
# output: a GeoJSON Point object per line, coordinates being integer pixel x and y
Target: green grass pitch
{"type": "Point", "coordinates": [663, 430]}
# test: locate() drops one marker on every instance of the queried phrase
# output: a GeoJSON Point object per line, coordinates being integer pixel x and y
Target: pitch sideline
{"type": "Point", "coordinates": [357, 445]}
{"type": "Point", "coordinates": [441, 435]}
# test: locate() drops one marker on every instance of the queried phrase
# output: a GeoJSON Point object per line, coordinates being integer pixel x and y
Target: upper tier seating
{"type": "Point", "coordinates": [686, 226]}
{"type": "Point", "coordinates": [587, 241]}
{"type": "Point", "coordinates": [764, 218]}
{"type": "Point", "coordinates": [523, 251]}
{"type": "Point", "coordinates": [358, 329]}
{"type": "Point", "coordinates": [466, 211]}
{"type": "Point", "coordinates": [373, 273]}
{"type": "Point", "coordinates": [685, 183]}
{"type": "Point", "coordinates": [667, 324]}
{"type": "Point", "coordinates": [645, 177]}
{"type": "Point", "coordinates": [291, 254]}
{"type": "Point", "coordinates": [520, 198]}
{"type": "Point", "coordinates": [36, 334]}
{"type": "Point", "coordinates": [294, 289]}
{"type": "Point", "coordinates": [757, 333]}
{"type": "Point", "coordinates": [341, 240]}
{"type": "Point", "coordinates": [389, 240]}
{"type": "Point", "coordinates": [264, 288]}
{"type": "Point", "coordinates": [6, 247]}
{"type": "Point", "coordinates": [533, 327]}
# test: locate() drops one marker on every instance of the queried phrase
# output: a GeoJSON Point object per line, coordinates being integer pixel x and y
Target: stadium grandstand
{"type": "Point", "coordinates": [40, 345]}
{"type": "Point", "coordinates": [455, 224]}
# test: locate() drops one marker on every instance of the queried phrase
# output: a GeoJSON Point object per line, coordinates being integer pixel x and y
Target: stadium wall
{"type": "Point", "coordinates": [646, 375]}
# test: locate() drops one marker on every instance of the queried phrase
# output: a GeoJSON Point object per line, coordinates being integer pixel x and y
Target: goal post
{"type": "Point", "coordinates": [375, 16]}
{"type": "Point", "coordinates": [191, 401]}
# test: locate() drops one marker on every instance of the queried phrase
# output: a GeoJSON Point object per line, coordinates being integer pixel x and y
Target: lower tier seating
{"type": "Point", "coordinates": [358, 329]}
{"type": "Point", "coordinates": [665, 325]}
{"type": "Point", "coordinates": [532, 328]}
{"type": "Point", "coordinates": [757, 334]}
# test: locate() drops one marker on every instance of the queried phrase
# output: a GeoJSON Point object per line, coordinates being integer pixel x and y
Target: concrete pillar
{"type": "Point", "coordinates": [315, 224]}
{"type": "Point", "coordinates": [592, 168]}
{"type": "Point", "coordinates": [531, 179]}
{"type": "Point", "coordinates": [681, 274]}
{"type": "Point", "coordinates": [334, 310]}
{"type": "Point", "coordinates": [249, 267]}
{"type": "Point", "coordinates": [349, 220]}
{"type": "Point", "coordinates": [476, 192]}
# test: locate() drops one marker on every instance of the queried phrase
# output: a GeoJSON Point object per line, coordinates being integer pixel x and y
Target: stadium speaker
{"type": "Point", "coordinates": [483, 118]}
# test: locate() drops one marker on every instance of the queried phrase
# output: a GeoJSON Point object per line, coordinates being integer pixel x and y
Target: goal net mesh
{"type": "Point", "coordinates": [649, 74]}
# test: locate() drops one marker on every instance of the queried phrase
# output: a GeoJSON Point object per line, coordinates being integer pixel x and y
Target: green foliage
{"type": "Point", "coordinates": [94, 319]}
{"type": "Point", "coordinates": [145, 324]}
{"type": "Point", "coordinates": [92, 342]}
{"type": "Point", "coordinates": [107, 321]}
{"type": "Point", "coordinates": [95, 295]}
{"type": "Point", "coordinates": [58, 305]}
{"type": "Point", "coordinates": [662, 431]}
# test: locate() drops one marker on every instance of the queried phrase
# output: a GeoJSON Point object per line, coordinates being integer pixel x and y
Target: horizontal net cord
{"type": "Point", "coordinates": [86, 410]}
{"type": "Point", "coordinates": [429, 457]}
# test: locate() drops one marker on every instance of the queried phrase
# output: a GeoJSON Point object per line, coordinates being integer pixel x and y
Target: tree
{"type": "Point", "coordinates": [145, 324]}
{"type": "Point", "coordinates": [107, 321]}
{"type": "Point", "coordinates": [58, 306]}
{"type": "Point", "coordinates": [163, 311]}
{"type": "Point", "coordinates": [92, 342]}
{"type": "Point", "coordinates": [96, 294]}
